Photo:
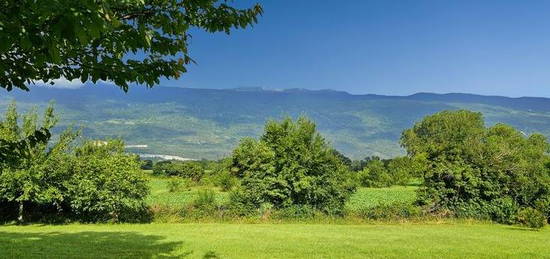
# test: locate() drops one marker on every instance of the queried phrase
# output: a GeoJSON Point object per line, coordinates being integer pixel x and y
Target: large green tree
{"type": "Point", "coordinates": [99, 39]}
{"type": "Point", "coordinates": [291, 164]}
{"type": "Point", "coordinates": [478, 171]}
{"type": "Point", "coordinates": [26, 173]}
{"type": "Point", "coordinates": [94, 181]}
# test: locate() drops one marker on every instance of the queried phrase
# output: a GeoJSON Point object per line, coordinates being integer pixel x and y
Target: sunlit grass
{"type": "Point", "coordinates": [426, 240]}
{"type": "Point", "coordinates": [161, 196]}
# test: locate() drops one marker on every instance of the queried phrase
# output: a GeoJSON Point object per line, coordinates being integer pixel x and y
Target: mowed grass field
{"type": "Point", "coordinates": [426, 240]}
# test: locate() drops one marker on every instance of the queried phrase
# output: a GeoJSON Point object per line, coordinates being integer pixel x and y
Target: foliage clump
{"type": "Point", "coordinates": [290, 165]}
{"type": "Point", "coordinates": [376, 172]}
{"type": "Point", "coordinates": [192, 170]}
{"type": "Point", "coordinates": [106, 183]}
{"type": "Point", "coordinates": [478, 171]}
{"type": "Point", "coordinates": [532, 218]}
{"type": "Point", "coordinates": [97, 40]}
{"type": "Point", "coordinates": [93, 181]}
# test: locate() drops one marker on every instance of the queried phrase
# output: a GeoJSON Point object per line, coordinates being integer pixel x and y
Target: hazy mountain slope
{"type": "Point", "coordinates": [203, 123]}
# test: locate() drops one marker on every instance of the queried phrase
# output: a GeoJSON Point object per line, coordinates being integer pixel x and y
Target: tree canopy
{"type": "Point", "coordinates": [291, 165]}
{"type": "Point", "coordinates": [478, 171]}
{"type": "Point", "coordinates": [93, 181]}
{"type": "Point", "coordinates": [123, 41]}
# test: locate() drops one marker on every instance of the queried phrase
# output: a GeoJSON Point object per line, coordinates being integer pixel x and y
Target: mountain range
{"type": "Point", "coordinates": [208, 123]}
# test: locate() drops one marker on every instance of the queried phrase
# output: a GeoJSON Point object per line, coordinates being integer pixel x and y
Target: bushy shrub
{"type": "Point", "coordinates": [390, 211]}
{"type": "Point", "coordinates": [162, 168]}
{"type": "Point", "coordinates": [295, 212]}
{"type": "Point", "coordinates": [147, 164]}
{"type": "Point", "coordinates": [402, 170]}
{"type": "Point", "coordinates": [543, 205]}
{"type": "Point", "coordinates": [290, 165]}
{"type": "Point", "coordinates": [500, 210]}
{"type": "Point", "coordinates": [177, 184]}
{"type": "Point", "coordinates": [187, 169]}
{"type": "Point", "coordinates": [56, 181]}
{"type": "Point", "coordinates": [203, 206]}
{"type": "Point", "coordinates": [106, 183]}
{"type": "Point", "coordinates": [375, 174]}
{"type": "Point", "coordinates": [206, 199]}
{"type": "Point", "coordinates": [226, 181]}
{"type": "Point", "coordinates": [532, 218]}
{"type": "Point", "coordinates": [242, 204]}
{"type": "Point", "coordinates": [478, 171]}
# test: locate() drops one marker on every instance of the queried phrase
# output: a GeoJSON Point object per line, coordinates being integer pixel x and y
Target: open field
{"type": "Point", "coordinates": [161, 196]}
{"type": "Point", "coordinates": [363, 198]}
{"type": "Point", "coordinates": [273, 241]}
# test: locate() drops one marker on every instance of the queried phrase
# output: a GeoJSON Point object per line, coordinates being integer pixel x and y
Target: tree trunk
{"type": "Point", "coordinates": [21, 207]}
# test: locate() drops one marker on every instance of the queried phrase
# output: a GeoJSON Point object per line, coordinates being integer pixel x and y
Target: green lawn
{"type": "Point", "coordinates": [446, 239]}
{"type": "Point", "coordinates": [273, 241]}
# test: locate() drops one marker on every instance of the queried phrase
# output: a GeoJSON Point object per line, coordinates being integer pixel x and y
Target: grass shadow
{"type": "Point", "coordinates": [87, 245]}
{"type": "Point", "coordinates": [520, 228]}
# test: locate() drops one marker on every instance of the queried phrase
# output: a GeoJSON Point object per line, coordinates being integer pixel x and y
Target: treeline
{"type": "Point", "coordinates": [464, 169]}
{"type": "Point", "coordinates": [373, 171]}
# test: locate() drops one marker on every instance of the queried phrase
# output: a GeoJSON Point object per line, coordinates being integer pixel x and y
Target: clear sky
{"type": "Point", "coordinates": [392, 47]}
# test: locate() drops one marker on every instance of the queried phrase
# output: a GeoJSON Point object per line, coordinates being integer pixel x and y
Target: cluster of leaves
{"type": "Point", "coordinates": [186, 169]}
{"type": "Point", "coordinates": [202, 172]}
{"type": "Point", "coordinates": [484, 172]}
{"type": "Point", "coordinates": [91, 181]}
{"type": "Point", "coordinates": [122, 41]}
{"type": "Point", "coordinates": [290, 165]}
{"type": "Point", "coordinates": [376, 172]}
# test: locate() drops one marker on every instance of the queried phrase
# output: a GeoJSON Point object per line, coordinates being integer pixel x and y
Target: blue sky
{"type": "Point", "coordinates": [383, 47]}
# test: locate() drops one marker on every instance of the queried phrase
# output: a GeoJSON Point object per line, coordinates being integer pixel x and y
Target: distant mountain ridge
{"type": "Point", "coordinates": [208, 123]}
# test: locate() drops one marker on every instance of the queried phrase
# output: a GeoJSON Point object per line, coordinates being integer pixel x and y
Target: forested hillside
{"type": "Point", "coordinates": [206, 123]}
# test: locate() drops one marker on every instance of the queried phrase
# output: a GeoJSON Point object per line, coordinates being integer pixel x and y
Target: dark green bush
{"type": "Point", "coordinates": [60, 181]}
{"type": "Point", "coordinates": [375, 174]}
{"type": "Point", "coordinates": [106, 183]}
{"type": "Point", "coordinates": [532, 218]}
{"type": "Point", "coordinates": [147, 164]}
{"type": "Point", "coordinates": [203, 206]}
{"type": "Point", "coordinates": [500, 210]}
{"type": "Point", "coordinates": [226, 181]}
{"type": "Point", "coordinates": [477, 171]}
{"type": "Point", "coordinates": [206, 199]}
{"type": "Point", "coordinates": [390, 211]}
{"type": "Point", "coordinates": [187, 169]}
{"type": "Point", "coordinates": [295, 212]}
{"type": "Point", "coordinates": [290, 165]}
{"type": "Point", "coordinates": [543, 205]}
{"type": "Point", "coordinates": [240, 204]}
